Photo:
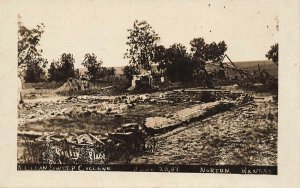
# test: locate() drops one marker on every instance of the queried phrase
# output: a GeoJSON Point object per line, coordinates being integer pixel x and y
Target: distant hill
{"type": "Point", "coordinates": [269, 66]}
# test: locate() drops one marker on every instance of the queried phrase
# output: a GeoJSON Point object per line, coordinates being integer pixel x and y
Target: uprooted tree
{"type": "Point", "coordinates": [142, 41]}
{"type": "Point", "coordinates": [31, 64]}
{"type": "Point", "coordinates": [273, 53]}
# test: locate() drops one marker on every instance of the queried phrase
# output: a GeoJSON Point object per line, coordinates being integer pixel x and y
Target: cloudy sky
{"type": "Point", "coordinates": [89, 26]}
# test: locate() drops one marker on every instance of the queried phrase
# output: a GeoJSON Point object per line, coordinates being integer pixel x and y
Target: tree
{"type": "Point", "coordinates": [31, 64]}
{"type": "Point", "coordinates": [104, 72]}
{"type": "Point", "coordinates": [216, 51]}
{"type": "Point", "coordinates": [142, 41]}
{"type": "Point", "coordinates": [93, 66]}
{"type": "Point", "coordinates": [177, 64]}
{"type": "Point", "coordinates": [111, 71]}
{"type": "Point", "coordinates": [53, 71]}
{"type": "Point", "coordinates": [273, 53]}
{"type": "Point", "coordinates": [62, 69]}
{"type": "Point", "coordinates": [160, 56]}
{"type": "Point", "coordinates": [199, 50]}
{"type": "Point", "coordinates": [67, 66]}
{"type": "Point", "coordinates": [34, 73]}
{"type": "Point", "coordinates": [130, 70]}
{"type": "Point", "coordinates": [203, 52]}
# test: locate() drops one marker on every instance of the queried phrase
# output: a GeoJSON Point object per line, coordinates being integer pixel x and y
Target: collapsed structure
{"type": "Point", "coordinates": [128, 138]}
{"type": "Point", "coordinates": [73, 84]}
{"type": "Point", "coordinates": [144, 79]}
{"type": "Point", "coordinates": [246, 78]}
{"type": "Point", "coordinates": [224, 73]}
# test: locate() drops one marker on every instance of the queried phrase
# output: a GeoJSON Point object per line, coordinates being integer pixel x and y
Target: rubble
{"type": "Point", "coordinates": [73, 84]}
{"type": "Point", "coordinates": [196, 112]}
{"type": "Point", "coordinates": [141, 80]}
{"type": "Point", "coordinates": [187, 106]}
{"type": "Point", "coordinates": [69, 148]}
{"type": "Point", "coordinates": [224, 139]}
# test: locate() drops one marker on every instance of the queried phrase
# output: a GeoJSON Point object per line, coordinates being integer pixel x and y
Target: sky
{"type": "Point", "coordinates": [249, 28]}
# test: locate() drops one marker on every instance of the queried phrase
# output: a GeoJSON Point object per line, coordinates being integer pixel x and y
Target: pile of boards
{"type": "Point", "coordinates": [86, 148]}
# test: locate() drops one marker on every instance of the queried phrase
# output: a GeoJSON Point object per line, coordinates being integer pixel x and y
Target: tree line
{"type": "Point", "coordinates": [176, 62]}
{"type": "Point", "coordinates": [32, 66]}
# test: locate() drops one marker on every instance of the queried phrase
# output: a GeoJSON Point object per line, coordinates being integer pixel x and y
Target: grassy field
{"type": "Point", "coordinates": [269, 66]}
{"type": "Point", "coordinates": [248, 66]}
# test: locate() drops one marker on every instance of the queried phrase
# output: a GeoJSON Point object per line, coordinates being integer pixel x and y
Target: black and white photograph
{"type": "Point", "coordinates": [148, 86]}
{"type": "Point", "coordinates": [150, 93]}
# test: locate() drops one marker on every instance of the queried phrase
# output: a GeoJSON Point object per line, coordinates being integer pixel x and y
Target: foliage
{"type": "Point", "coordinates": [199, 50]}
{"type": "Point", "coordinates": [273, 53]}
{"type": "Point", "coordinates": [160, 56]}
{"type": "Point", "coordinates": [34, 73]}
{"type": "Point", "coordinates": [76, 74]}
{"type": "Point", "coordinates": [67, 65]}
{"type": "Point", "coordinates": [62, 69]}
{"type": "Point", "coordinates": [142, 41]}
{"type": "Point", "coordinates": [95, 71]}
{"type": "Point", "coordinates": [53, 72]}
{"type": "Point", "coordinates": [30, 60]}
{"type": "Point", "coordinates": [129, 71]}
{"type": "Point", "coordinates": [105, 71]}
{"type": "Point", "coordinates": [180, 65]}
{"type": "Point", "coordinates": [93, 66]}
{"type": "Point", "coordinates": [112, 71]}
{"type": "Point", "coordinates": [216, 51]}
{"type": "Point", "coordinates": [203, 52]}
{"type": "Point", "coordinates": [177, 63]}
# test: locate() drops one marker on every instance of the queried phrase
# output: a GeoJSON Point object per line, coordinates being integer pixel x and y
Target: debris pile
{"type": "Point", "coordinates": [85, 148]}
{"type": "Point", "coordinates": [87, 105]}
{"type": "Point", "coordinates": [140, 81]}
{"type": "Point", "coordinates": [73, 84]}
{"type": "Point", "coordinates": [118, 143]}
{"type": "Point", "coordinates": [125, 140]}
{"type": "Point", "coordinates": [201, 95]}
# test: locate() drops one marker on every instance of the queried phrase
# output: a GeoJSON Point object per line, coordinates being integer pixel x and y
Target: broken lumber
{"type": "Point", "coordinates": [188, 115]}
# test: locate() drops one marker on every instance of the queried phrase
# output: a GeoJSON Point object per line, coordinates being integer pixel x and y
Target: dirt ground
{"type": "Point", "coordinates": [244, 136]}
{"type": "Point", "coordinates": [50, 117]}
